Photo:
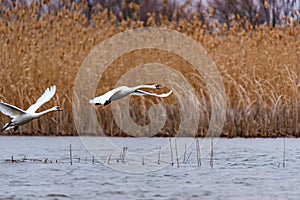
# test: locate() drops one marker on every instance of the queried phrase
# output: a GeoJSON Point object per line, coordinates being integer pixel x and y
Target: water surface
{"type": "Point", "coordinates": [243, 169]}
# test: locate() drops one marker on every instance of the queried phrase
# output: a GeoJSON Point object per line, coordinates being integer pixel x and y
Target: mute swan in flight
{"type": "Point", "coordinates": [20, 117]}
{"type": "Point", "coordinates": [123, 91]}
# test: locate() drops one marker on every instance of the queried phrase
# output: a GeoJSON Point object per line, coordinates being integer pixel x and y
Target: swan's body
{"type": "Point", "coordinates": [20, 117]}
{"type": "Point", "coordinates": [124, 91]}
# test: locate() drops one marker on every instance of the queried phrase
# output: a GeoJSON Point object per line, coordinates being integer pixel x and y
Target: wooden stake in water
{"type": "Point", "coordinates": [109, 159]}
{"type": "Point", "coordinates": [158, 160]}
{"type": "Point", "coordinates": [188, 157]}
{"type": "Point", "coordinates": [172, 163]}
{"type": "Point", "coordinates": [71, 154]}
{"type": "Point", "coordinates": [198, 151]}
{"type": "Point", "coordinates": [176, 151]}
{"type": "Point", "coordinates": [184, 155]}
{"type": "Point", "coordinates": [123, 154]}
{"type": "Point", "coordinates": [283, 161]}
{"type": "Point", "coordinates": [143, 161]}
{"type": "Point", "coordinates": [212, 152]}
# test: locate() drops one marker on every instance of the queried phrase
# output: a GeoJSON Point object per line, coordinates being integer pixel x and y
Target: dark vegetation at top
{"type": "Point", "coordinates": [252, 12]}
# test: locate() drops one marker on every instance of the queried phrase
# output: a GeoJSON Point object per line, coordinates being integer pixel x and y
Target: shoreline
{"type": "Point", "coordinates": [126, 136]}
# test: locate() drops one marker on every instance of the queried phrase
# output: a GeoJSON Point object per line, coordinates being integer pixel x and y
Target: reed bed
{"type": "Point", "coordinates": [259, 66]}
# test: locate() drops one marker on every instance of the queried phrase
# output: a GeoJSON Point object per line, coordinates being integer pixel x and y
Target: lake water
{"type": "Point", "coordinates": [242, 169]}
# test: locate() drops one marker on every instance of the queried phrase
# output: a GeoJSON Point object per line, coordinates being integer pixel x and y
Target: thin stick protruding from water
{"type": "Point", "coordinates": [176, 151]}
{"type": "Point", "coordinates": [188, 157]}
{"type": "Point", "coordinates": [172, 163]}
{"type": "Point", "coordinates": [198, 151]}
{"type": "Point", "coordinates": [283, 160]}
{"type": "Point", "coordinates": [184, 155]}
{"type": "Point", "coordinates": [71, 154]}
{"type": "Point", "coordinates": [108, 160]}
{"type": "Point", "coordinates": [123, 154]}
{"type": "Point", "coordinates": [212, 152]}
{"type": "Point", "coordinates": [158, 160]}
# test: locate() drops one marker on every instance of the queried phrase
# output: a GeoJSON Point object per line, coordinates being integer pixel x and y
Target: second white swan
{"type": "Point", "coordinates": [123, 91]}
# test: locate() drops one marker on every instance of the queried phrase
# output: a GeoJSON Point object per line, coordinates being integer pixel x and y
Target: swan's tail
{"type": "Point", "coordinates": [92, 101]}
{"type": "Point", "coordinates": [95, 101]}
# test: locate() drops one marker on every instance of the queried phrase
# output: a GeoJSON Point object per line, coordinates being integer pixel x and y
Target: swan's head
{"type": "Point", "coordinates": [157, 86]}
{"type": "Point", "coordinates": [58, 108]}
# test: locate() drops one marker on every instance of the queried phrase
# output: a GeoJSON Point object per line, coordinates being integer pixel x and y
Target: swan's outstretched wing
{"type": "Point", "coordinates": [103, 98]}
{"type": "Point", "coordinates": [142, 92]}
{"type": "Point", "coordinates": [48, 94]}
{"type": "Point", "coordinates": [10, 110]}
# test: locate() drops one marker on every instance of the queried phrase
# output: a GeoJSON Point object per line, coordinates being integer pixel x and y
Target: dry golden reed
{"type": "Point", "coordinates": [259, 65]}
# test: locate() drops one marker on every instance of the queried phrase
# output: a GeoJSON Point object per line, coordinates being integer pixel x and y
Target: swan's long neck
{"type": "Point", "coordinates": [144, 86]}
{"type": "Point", "coordinates": [45, 112]}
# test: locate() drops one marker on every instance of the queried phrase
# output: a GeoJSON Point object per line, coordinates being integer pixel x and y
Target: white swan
{"type": "Point", "coordinates": [20, 117]}
{"type": "Point", "coordinates": [123, 91]}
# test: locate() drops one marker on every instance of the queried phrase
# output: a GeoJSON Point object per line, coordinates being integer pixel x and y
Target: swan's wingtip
{"type": "Point", "coordinates": [52, 88]}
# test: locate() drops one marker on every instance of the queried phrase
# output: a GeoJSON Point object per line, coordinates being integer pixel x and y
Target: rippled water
{"type": "Point", "coordinates": [243, 169]}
